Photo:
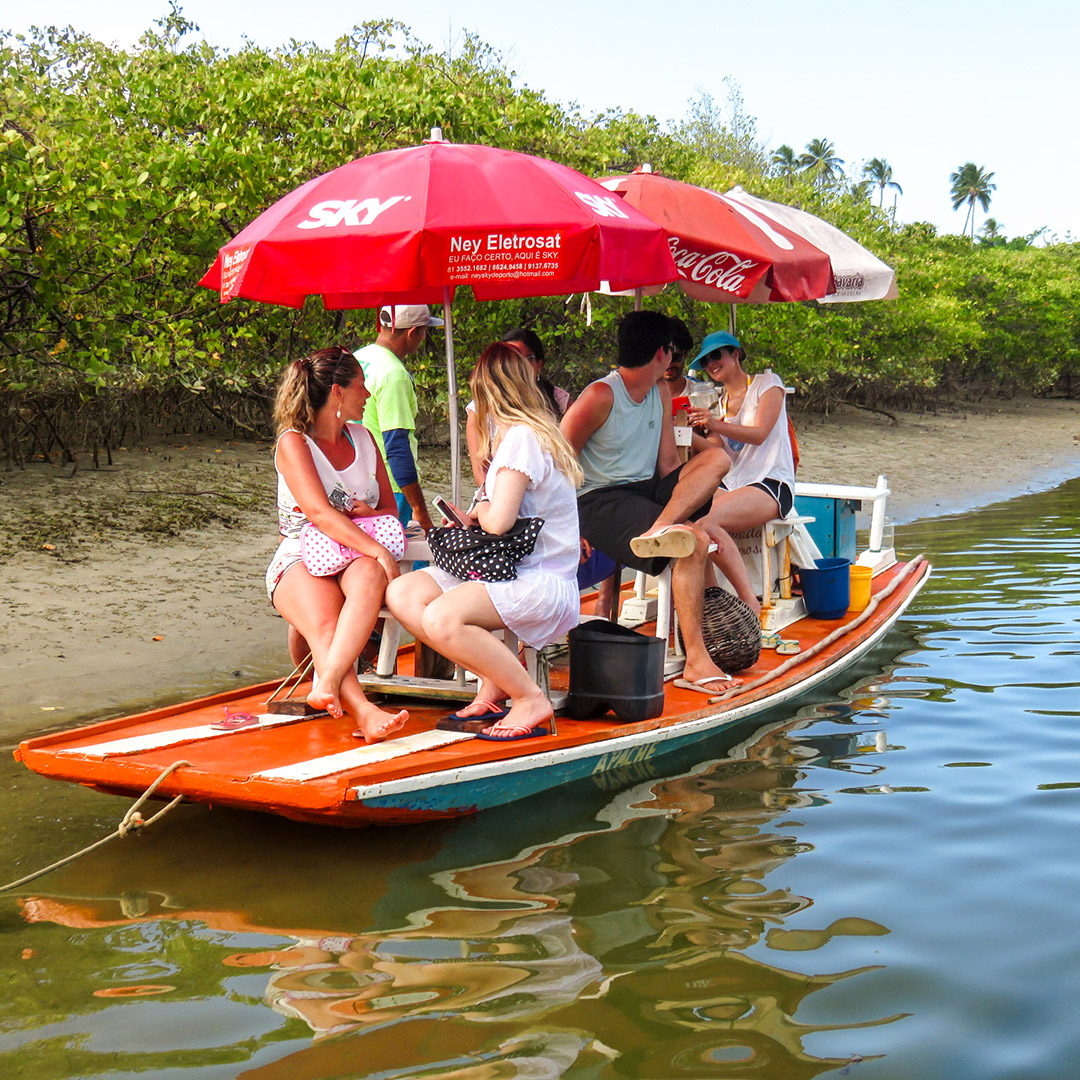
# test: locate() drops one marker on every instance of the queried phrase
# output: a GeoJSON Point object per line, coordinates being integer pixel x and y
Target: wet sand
{"type": "Point", "coordinates": [142, 582]}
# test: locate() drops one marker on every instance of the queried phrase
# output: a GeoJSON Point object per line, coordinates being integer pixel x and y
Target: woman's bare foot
{"type": "Point", "coordinates": [526, 714]}
{"type": "Point", "coordinates": [753, 603]}
{"type": "Point", "coordinates": [479, 709]}
{"type": "Point", "coordinates": [324, 699]}
{"type": "Point", "coordinates": [488, 694]}
{"type": "Point", "coordinates": [376, 725]}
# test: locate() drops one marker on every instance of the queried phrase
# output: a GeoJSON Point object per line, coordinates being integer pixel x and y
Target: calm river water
{"type": "Point", "coordinates": [882, 883]}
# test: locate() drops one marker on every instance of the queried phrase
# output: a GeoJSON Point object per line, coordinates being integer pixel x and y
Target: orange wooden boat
{"type": "Point", "coordinates": [309, 768]}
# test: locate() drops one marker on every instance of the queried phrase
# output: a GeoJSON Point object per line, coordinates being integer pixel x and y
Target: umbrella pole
{"type": "Point", "coordinates": [451, 391]}
{"type": "Point", "coordinates": [637, 299]}
{"type": "Point", "coordinates": [731, 318]}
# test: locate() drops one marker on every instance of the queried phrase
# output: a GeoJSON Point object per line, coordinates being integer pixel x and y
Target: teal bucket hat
{"type": "Point", "coordinates": [711, 343]}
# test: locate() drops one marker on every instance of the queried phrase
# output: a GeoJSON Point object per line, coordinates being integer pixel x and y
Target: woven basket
{"type": "Point", "coordinates": [731, 630]}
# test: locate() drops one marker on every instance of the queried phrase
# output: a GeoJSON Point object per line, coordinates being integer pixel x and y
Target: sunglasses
{"type": "Point", "coordinates": [717, 357]}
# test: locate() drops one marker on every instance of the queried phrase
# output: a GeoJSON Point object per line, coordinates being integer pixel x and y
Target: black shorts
{"type": "Point", "coordinates": [611, 517]}
{"type": "Point", "coordinates": [778, 489]}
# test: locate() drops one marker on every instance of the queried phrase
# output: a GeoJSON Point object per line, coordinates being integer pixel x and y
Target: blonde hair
{"type": "Point", "coordinates": [505, 390]}
{"type": "Point", "coordinates": [306, 384]}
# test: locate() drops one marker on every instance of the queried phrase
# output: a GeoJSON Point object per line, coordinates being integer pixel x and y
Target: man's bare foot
{"type": "Point", "coordinates": [708, 672]}
{"type": "Point", "coordinates": [376, 725]}
{"type": "Point", "coordinates": [666, 542]}
{"type": "Point", "coordinates": [711, 684]}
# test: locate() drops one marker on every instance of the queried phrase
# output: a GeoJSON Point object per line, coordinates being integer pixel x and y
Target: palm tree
{"type": "Point", "coordinates": [880, 172]}
{"type": "Point", "coordinates": [991, 230]}
{"type": "Point", "coordinates": [785, 163]}
{"type": "Point", "coordinates": [971, 185]}
{"type": "Point", "coordinates": [859, 190]}
{"type": "Point", "coordinates": [821, 161]}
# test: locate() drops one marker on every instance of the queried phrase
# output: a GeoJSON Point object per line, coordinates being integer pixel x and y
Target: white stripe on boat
{"type": "Point", "coordinates": [364, 755]}
{"type": "Point", "coordinates": [136, 744]}
{"type": "Point", "coordinates": [623, 750]}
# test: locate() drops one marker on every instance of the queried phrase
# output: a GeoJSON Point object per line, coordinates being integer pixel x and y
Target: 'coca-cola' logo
{"type": "Point", "coordinates": [721, 270]}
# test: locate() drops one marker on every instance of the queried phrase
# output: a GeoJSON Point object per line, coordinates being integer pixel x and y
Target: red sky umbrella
{"type": "Point", "coordinates": [408, 226]}
{"type": "Point", "coordinates": [403, 225]}
{"type": "Point", "coordinates": [724, 251]}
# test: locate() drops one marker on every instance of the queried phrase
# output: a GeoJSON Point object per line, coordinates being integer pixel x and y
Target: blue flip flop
{"type": "Point", "coordinates": [491, 713]}
{"type": "Point", "coordinates": [531, 734]}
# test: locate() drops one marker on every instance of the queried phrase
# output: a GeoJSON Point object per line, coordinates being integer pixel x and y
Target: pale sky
{"type": "Point", "coordinates": [925, 85]}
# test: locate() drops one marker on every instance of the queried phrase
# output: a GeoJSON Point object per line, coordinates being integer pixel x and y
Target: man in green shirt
{"type": "Point", "coordinates": [390, 413]}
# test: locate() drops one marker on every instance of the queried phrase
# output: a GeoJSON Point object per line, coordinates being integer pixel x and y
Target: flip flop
{"type": "Point", "coordinates": [235, 721]}
{"type": "Point", "coordinates": [532, 733]}
{"type": "Point", "coordinates": [670, 542]}
{"type": "Point", "coordinates": [491, 712]}
{"type": "Point", "coordinates": [770, 639]}
{"type": "Point", "coordinates": [788, 647]}
{"type": "Point", "coordinates": [702, 685]}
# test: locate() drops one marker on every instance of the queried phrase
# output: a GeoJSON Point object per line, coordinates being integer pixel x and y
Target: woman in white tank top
{"type": "Point", "coordinates": [328, 473]}
{"type": "Point", "coordinates": [753, 429]}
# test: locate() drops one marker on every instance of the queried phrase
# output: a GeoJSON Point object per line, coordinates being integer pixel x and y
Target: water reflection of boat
{"type": "Point", "coordinates": [635, 937]}
{"type": "Point", "coordinates": [310, 769]}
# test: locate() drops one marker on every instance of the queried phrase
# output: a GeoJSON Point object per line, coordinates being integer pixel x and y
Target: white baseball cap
{"type": "Point", "coordinates": [406, 316]}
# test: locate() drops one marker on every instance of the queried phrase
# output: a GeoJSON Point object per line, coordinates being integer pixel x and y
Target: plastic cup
{"type": "Point", "coordinates": [861, 577]}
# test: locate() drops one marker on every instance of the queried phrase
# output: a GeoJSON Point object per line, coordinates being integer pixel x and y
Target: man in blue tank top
{"type": "Point", "coordinates": [638, 505]}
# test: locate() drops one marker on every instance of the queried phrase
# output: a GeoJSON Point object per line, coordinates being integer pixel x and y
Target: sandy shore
{"type": "Point", "coordinates": [141, 582]}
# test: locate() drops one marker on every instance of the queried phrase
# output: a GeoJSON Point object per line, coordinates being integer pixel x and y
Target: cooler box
{"type": "Point", "coordinates": [616, 669]}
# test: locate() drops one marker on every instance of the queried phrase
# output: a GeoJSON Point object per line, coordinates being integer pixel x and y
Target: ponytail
{"type": "Point", "coordinates": [306, 384]}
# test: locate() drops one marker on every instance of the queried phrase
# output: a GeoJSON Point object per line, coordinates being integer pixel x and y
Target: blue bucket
{"type": "Point", "coordinates": [827, 588]}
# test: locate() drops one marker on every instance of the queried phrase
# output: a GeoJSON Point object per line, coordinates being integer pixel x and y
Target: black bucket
{"type": "Point", "coordinates": [615, 668]}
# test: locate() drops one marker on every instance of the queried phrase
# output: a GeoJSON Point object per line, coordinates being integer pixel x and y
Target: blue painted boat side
{"type": "Point", "coordinates": [481, 793]}
{"type": "Point", "coordinates": [479, 787]}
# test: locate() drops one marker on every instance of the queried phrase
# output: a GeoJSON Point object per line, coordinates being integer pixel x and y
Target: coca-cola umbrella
{"type": "Point", "coordinates": [858, 274]}
{"type": "Point", "coordinates": [409, 226]}
{"type": "Point", "coordinates": [724, 251]}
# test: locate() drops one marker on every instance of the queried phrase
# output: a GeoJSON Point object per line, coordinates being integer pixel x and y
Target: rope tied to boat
{"type": "Point", "coordinates": [131, 823]}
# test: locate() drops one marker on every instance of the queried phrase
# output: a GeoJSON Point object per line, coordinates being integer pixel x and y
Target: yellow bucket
{"type": "Point", "coordinates": [860, 587]}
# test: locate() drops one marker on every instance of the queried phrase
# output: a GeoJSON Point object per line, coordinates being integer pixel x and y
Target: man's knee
{"type": "Point", "coordinates": [714, 461]}
{"type": "Point", "coordinates": [694, 562]}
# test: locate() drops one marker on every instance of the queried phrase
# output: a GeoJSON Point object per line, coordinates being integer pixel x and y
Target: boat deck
{"type": "Point", "coordinates": [312, 769]}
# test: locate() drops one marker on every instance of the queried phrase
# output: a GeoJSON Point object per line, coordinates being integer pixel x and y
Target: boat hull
{"type": "Point", "coordinates": [309, 769]}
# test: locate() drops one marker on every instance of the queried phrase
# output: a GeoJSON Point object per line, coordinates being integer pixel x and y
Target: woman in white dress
{"type": "Point", "coordinates": [329, 472]}
{"type": "Point", "coordinates": [533, 473]}
{"type": "Point", "coordinates": [556, 398]}
{"type": "Point", "coordinates": [753, 429]}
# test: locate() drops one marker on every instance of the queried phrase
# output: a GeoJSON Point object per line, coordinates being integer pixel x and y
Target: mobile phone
{"type": "Point", "coordinates": [449, 512]}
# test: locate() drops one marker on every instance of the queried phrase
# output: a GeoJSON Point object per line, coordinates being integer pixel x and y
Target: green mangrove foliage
{"type": "Point", "coordinates": [122, 172]}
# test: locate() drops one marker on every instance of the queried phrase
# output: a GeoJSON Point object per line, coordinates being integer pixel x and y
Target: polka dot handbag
{"type": "Point", "coordinates": [474, 555]}
{"type": "Point", "coordinates": [324, 557]}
